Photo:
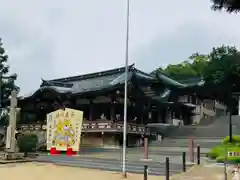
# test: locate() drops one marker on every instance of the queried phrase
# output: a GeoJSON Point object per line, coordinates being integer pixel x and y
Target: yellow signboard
{"type": "Point", "coordinates": [64, 129]}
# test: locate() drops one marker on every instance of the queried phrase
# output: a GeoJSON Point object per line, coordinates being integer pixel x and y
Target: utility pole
{"type": "Point", "coordinates": [125, 93]}
{"type": "Point", "coordinates": [230, 119]}
{"type": "Point", "coordinates": [1, 95]}
{"type": "Point", "coordinates": [225, 164]}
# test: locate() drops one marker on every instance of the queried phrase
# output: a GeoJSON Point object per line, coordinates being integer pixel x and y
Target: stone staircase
{"type": "Point", "coordinates": [176, 139]}
{"type": "Point", "coordinates": [184, 142]}
{"type": "Point", "coordinates": [215, 128]}
{"type": "Point", "coordinates": [206, 121]}
{"type": "Point", "coordinates": [207, 112]}
{"type": "Point", "coordinates": [175, 147]}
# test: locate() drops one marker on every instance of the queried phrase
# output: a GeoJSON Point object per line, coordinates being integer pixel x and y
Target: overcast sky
{"type": "Point", "coordinates": [49, 39]}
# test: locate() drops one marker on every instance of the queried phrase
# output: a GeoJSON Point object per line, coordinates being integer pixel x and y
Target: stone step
{"type": "Point", "coordinates": [196, 138]}
{"type": "Point", "coordinates": [194, 131]}
{"type": "Point", "coordinates": [187, 142]}
{"type": "Point", "coordinates": [219, 128]}
{"type": "Point", "coordinates": [174, 153]}
{"type": "Point", "coordinates": [184, 142]}
{"type": "Point", "coordinates": [186, 145]}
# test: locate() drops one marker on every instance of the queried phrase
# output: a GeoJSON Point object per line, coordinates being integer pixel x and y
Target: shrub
{"type": "Point", "coordinates": [221, 159]}
{"type": "Point", "coordinates": [219, 153]}
{"type": "Point", "coordinates": [235, 140]}
{"type": "Point", "coordinates": [27, 142]}
{"type": "Point", "coordinates": [215, 152]}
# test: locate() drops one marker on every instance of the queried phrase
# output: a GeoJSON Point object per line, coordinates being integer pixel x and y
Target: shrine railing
{"type": "Point", "coordinates": [108, 126]}
{"type": "Point", "coordinates": [97, 126]}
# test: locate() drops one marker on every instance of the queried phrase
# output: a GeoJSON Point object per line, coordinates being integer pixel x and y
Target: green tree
{"type": "Point", "coordinates": [6, 84]}
{"type": "Point", "coordinates": [181, 71]}
{"type": "Point", "coordinates": [193, 67]}
{"type": "Point", "coordinates": [199, 63]}
{"type": "Point", "coordinates": [224, 68]}
{"type": "Point", "coordinates": [228, 5]}
{"type": "Point", "coordinates": [223, 72]}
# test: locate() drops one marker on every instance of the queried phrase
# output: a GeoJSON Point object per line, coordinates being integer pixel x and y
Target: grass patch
{"type": "Point", "coordinates": [235, 160]}
{"type": "Point", "coordinates": [235, 140]}
{"type": "Point", "coordinates": [220, 152]}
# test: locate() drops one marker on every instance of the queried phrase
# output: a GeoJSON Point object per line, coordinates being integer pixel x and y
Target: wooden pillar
{"type": "Point", "coordinates": [149, 114]}
{"type": "Point", "coordinates": [112, 111]}
{"type": "Point", "coordinates": [90, 110]}
{"type": "Point", "coordinates": [142, 114]}
{"type": "Point", "coordinates": [169, 115]}
{"type": "Point", "coordinates": [159, 116]}
{"type": "Point", "coordinates": [103, 142]}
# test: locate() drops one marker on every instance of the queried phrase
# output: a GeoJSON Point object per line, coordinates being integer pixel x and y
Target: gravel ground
{"type": "Point", "coordinates": [41, 171]}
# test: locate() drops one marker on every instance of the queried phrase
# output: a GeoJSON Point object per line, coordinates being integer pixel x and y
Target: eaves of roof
{"type": "Point", "coordinates": [84, 86]}
{"type": "Point", "coordinates": [168, 81]}
{"type": "Point", "coordinates": [93, 82]}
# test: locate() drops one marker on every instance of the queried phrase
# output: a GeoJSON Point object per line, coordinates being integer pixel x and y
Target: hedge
{"type": "Point", "coordinates": [219, 152]}
{"type": "Point", "coordinates": [215, 152]}
{"type": "Point", "coordinates": [235, 140]}
{"type": "Point", "coordinates": [27, 142]}
{"type": "Point", "coordinates": [221, 159]}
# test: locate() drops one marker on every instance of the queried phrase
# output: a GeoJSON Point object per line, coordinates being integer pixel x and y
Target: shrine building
{"type": "Point", "coordinates": [152, 99]}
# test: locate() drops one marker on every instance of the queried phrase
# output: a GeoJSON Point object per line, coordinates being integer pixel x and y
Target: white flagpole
{"type": "Point", "coordinates": [125, 95]}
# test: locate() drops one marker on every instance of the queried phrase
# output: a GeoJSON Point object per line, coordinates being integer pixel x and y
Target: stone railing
{"type": "Point", "coordinates": [219, 105]}
{"type": "Point", "coordinates": [207, 112]}
{"type": "Point", "coordinates": [97, 126]}
{"type": "Point", "coordinates": [111, 126]}
{"type": "Point", "coordinates": [202, 112]}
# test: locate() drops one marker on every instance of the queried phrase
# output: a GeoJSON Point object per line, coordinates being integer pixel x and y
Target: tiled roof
{"type": "Point", "coordinates": [193, 81]}
{"type": "Point", "coordinates": [168, 81]}
{"type": "Point", "coordinates": [93, 81]}
{"type": "Point", "coordinates": [108, 79]}
{"type": "Point", "coordinates": [89, 82]}
{"type": "Point", "coordinates": [186, 83]}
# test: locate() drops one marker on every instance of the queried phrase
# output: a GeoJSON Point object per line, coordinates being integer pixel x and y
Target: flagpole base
{"type": "Point", "coordinates": [124, 175]}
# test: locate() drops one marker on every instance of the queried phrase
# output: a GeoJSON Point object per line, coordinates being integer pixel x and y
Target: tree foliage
{"type": "Point", "coordinates": [6, 83]}
{"type": "Point", "coordinates": [224, 67]}
{"type": "Point", "coordinates": [228, 5]}
{"type": "Point", "coordinates": [220, 69]}
{"type": "Point", "coordinates": [193, 67]}
{"type": "Point", "coordinates": [223, 73]}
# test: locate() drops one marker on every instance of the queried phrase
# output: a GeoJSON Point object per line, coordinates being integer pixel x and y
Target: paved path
{"type": "Point", "coordinates": [44, 171]}
{"type": "Point", "coordinates": [203, 173]}
{"type": "Point", "coordinates": [155, 168]}
{"type": "Point", "coordinates": [135, 157]}
{"type": "Point", "coordinates": [153, 151]}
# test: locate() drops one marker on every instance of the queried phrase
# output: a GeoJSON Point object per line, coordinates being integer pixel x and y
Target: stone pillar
{"type": "Point", "coordinates": [10, 140]}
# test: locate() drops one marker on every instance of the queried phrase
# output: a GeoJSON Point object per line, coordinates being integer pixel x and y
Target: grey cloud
{"type": "Point", "coordinates": [178, 46]}
{"type": "Point", "coordinates": [54, 39]}
{"type": "Point", "coordinates": [29, 57]}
